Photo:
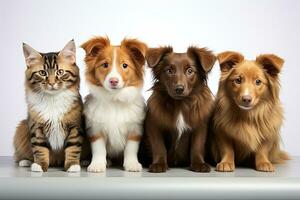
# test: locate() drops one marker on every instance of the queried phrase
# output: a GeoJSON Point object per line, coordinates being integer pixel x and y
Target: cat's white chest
{"type": "Point", "coordinates": [181, 125]}
{"type": "Point", "coordinates": [52, 109]}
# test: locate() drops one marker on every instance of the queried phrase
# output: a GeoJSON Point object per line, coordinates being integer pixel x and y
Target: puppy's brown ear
{"type": "Point", "coordinates": [95, 45]}
{"type": "Point", "coordinates": [228, 59]}
{"type": "Point", "coordinates": [271, 63]}
{"type": "Point", "coordinates": [205, 57]}
{"type": "Point", "coordinates": [155, 55]}
{"type": "Point", "coordinates": [136, 49]}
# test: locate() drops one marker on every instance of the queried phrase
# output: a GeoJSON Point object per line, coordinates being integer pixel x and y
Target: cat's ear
{"type": "Point", "coordinates": [31, 55]}
{"type": "Point", "coordinates": [68, 53]}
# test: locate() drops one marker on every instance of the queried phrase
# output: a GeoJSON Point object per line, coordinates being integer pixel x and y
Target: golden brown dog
{"type": "Point", "coordinates": [248, 113]}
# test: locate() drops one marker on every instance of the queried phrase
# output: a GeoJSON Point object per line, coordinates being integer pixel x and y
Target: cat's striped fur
{"type": "Point", "coordinates": [52, 133]}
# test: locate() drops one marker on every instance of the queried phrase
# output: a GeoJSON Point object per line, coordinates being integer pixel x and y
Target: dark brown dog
{"type": "Point", "coordinates": [179, 108]}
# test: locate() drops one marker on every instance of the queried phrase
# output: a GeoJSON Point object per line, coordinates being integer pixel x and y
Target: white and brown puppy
{"type": "Point", "coordinates": [115, 108]}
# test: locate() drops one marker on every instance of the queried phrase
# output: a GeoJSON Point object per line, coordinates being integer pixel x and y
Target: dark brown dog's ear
{"type": "Point", "coordinates": [271, 63]}
{"type": "Point", "coordinates": [136, 49]}
{"type": "Point", "coordinates": [93, 46]}
{"type": "Point", "coordinates": [205, 57]}
{"type": "Point", "coordinates": [228, 59]}
{"type": "Point", "coordinates": [154, 55]}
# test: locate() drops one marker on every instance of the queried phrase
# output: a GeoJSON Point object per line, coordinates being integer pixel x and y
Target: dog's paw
{"type": "Point", "coordinates": [36, 167]}
{"type": "Point", "coordinates": [24, 163]}
{"type": "Point", "coordinates": [158, 167]}
{"type": "Point", "coordinates": [200, 167]}
{"type": "Point", "coordinates": [225, 167]}
{"type": "Point", "coordinates": [97, 167]}
{"type": "Point", "coordinates": [265, 167]}
{"type": "Point", "coordinates": [74, 168]}
{"type": "Point", "coordinates": [132, 166]}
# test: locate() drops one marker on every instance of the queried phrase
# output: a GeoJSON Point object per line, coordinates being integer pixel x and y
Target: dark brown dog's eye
{"type": "Point", "coordinates": [238, 80]}
{"type": "Point", "coordinates": [42, 72]}
{"type": "Point", "coordinates": [258, 82]}
{"type": "Point", "coordinates": [124, 65]}
{"type": "Point", "coordinates": [59, 72]}
{"type": "Point", "coordinates": [105, 65]}
{"type": "Point", "coordinates": [169, 71]}
{"type": "Point", "coordinates": [189, 71]}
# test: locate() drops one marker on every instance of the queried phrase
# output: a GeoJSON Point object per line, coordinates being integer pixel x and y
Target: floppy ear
{"type": "Point", "coordinates": [271, 63]}
{"type": "Point", "coordinates": [31, 55]}
{"type": "Point", "coordinates": [203, 56]}
{"type": "Point", "coordinates": [68, 53]}
{"type": "Point", "coordinates": [95, 45]}
{"type": "Point", "coordinates": [137, 50]}
{"type": "Point", "coordinates": [154, 55]}
{"type": "Point", "coordinates": [228, 59]}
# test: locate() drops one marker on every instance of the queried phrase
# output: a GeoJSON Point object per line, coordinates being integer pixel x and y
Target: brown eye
{"type": "Point", "coordinates": [124, 65]}
{"type": "Point", "coordinates": [42, 72]}
{"type": "Point", "coordinates": [238, 80]}
{"type": "Point", "coordinates": [189, 71]}
{"type": "Point", "coordinates": [105, 65]}
{"type": "Point", "coordinates": [169, 71]}
{"type": "Point", "coordinates": [258, 82]}
{"type": "Point", "coordinates": [59, 72]}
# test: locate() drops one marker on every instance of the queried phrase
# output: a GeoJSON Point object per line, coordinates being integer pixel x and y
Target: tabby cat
{"type": "Point", "coordinates": [52, 133]}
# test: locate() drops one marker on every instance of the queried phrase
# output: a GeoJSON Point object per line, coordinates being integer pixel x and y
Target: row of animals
{"type": "Point", "coordinates": [181, 125]}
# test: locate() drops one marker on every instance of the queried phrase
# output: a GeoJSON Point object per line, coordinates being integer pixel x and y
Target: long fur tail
{"type": "Point", "coordinates": [280, 157]}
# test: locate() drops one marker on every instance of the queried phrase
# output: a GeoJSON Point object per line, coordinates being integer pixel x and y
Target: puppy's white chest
{"type": "Point", "coordinates": [52, 109]}
{"type": "Point", "coordinates": [181, 125]}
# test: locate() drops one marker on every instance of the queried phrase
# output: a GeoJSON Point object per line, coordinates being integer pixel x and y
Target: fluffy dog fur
{"type": "Point", "coordinates": [248, 113]}
{"type": "Point", "coordinates": [115, 108]}
{"type": "Point", "coordinates": [179, 108]}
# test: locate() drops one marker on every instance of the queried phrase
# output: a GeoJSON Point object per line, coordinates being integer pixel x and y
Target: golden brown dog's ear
{"type": "Point", "coordinates": [95, 45]}
{"type": "Point", "coordinates": [136, 49]}
{"type": "Point", "coordinates": [205, 57]}
{"type": "Point", "coordinates": [228, 59]}
{"type": "Point", "coordinates": [271, 63]}
{"type": "Point", "coordinates": [155, 55]}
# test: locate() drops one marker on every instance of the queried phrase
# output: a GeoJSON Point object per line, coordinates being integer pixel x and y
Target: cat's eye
{"type": "Point", "coordinates": [43, 73]}
{"type": "Point", "coordinates": [124, 65]}
{"type": "Point", "coordinates": [238, 80]}
{"type": "Point", "coordinates": [257, 82]}
{"type": "Point", "coordinates": [60, 72]}
{"type": "Point", "coordinates": [189, 71]}
{"type": "Point", "coordinates": [105, 65]}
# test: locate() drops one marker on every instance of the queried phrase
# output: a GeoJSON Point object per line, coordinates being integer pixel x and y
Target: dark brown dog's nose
{"type": "Point", "coordinates": [179, 89]}
{"type": "Point", "coordinates": [246, 99]}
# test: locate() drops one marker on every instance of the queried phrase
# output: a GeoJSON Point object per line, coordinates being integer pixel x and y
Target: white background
{"type": "Point", "coordinates": [250, 27]}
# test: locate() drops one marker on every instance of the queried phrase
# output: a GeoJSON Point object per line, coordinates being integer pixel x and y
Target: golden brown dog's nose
{"type": "Point", "coordinates": [179, 89]}
{"type": "Point", "coordinates": [246, 99]}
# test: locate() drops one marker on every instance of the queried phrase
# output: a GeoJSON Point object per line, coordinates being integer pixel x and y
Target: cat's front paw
{"type": "Point", "coordinates": [132, 166]}
{"type": "Point", "coordinates": [74, 168]}
{"type": "Point", "coordinates": [225, 167]}
{"type": "Point", "coordinates": [97, 166]}
{"type": "Point", "coordinates": [24, 163]}
{"type": "Point", "coordinates": [36, 167]}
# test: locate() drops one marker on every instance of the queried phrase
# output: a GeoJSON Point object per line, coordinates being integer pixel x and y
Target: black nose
{"type": "Point", "coordinates": [246, 99]}
{"type": "Point", "coordinates": [179, 89]}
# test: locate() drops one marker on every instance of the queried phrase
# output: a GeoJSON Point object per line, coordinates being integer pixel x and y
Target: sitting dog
{"type": "Point", "coordinates": [248, 113]}
{"type": "Point", "coordinates": [179, 108]}
{"type": "Point", "coordinates": [115, 108]}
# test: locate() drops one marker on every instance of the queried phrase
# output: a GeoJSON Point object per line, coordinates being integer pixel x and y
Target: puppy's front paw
{"type": "Point", "coordinates": [132, 166]}
{"type": "Point", "coordinates": [158, 167]}
{"type": "Point", "coordinates": [225, 167]}
{"type": "Point", "coordinates": [74, 168]}
{"type": "Point", "coordinates": [200, 167]}
{"type": "Point", "coordinates": [265, 167]}
{"type": "Point", "coordinates": [97, 166]}
{"type": "Point", "coordinates": [36, 167]}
